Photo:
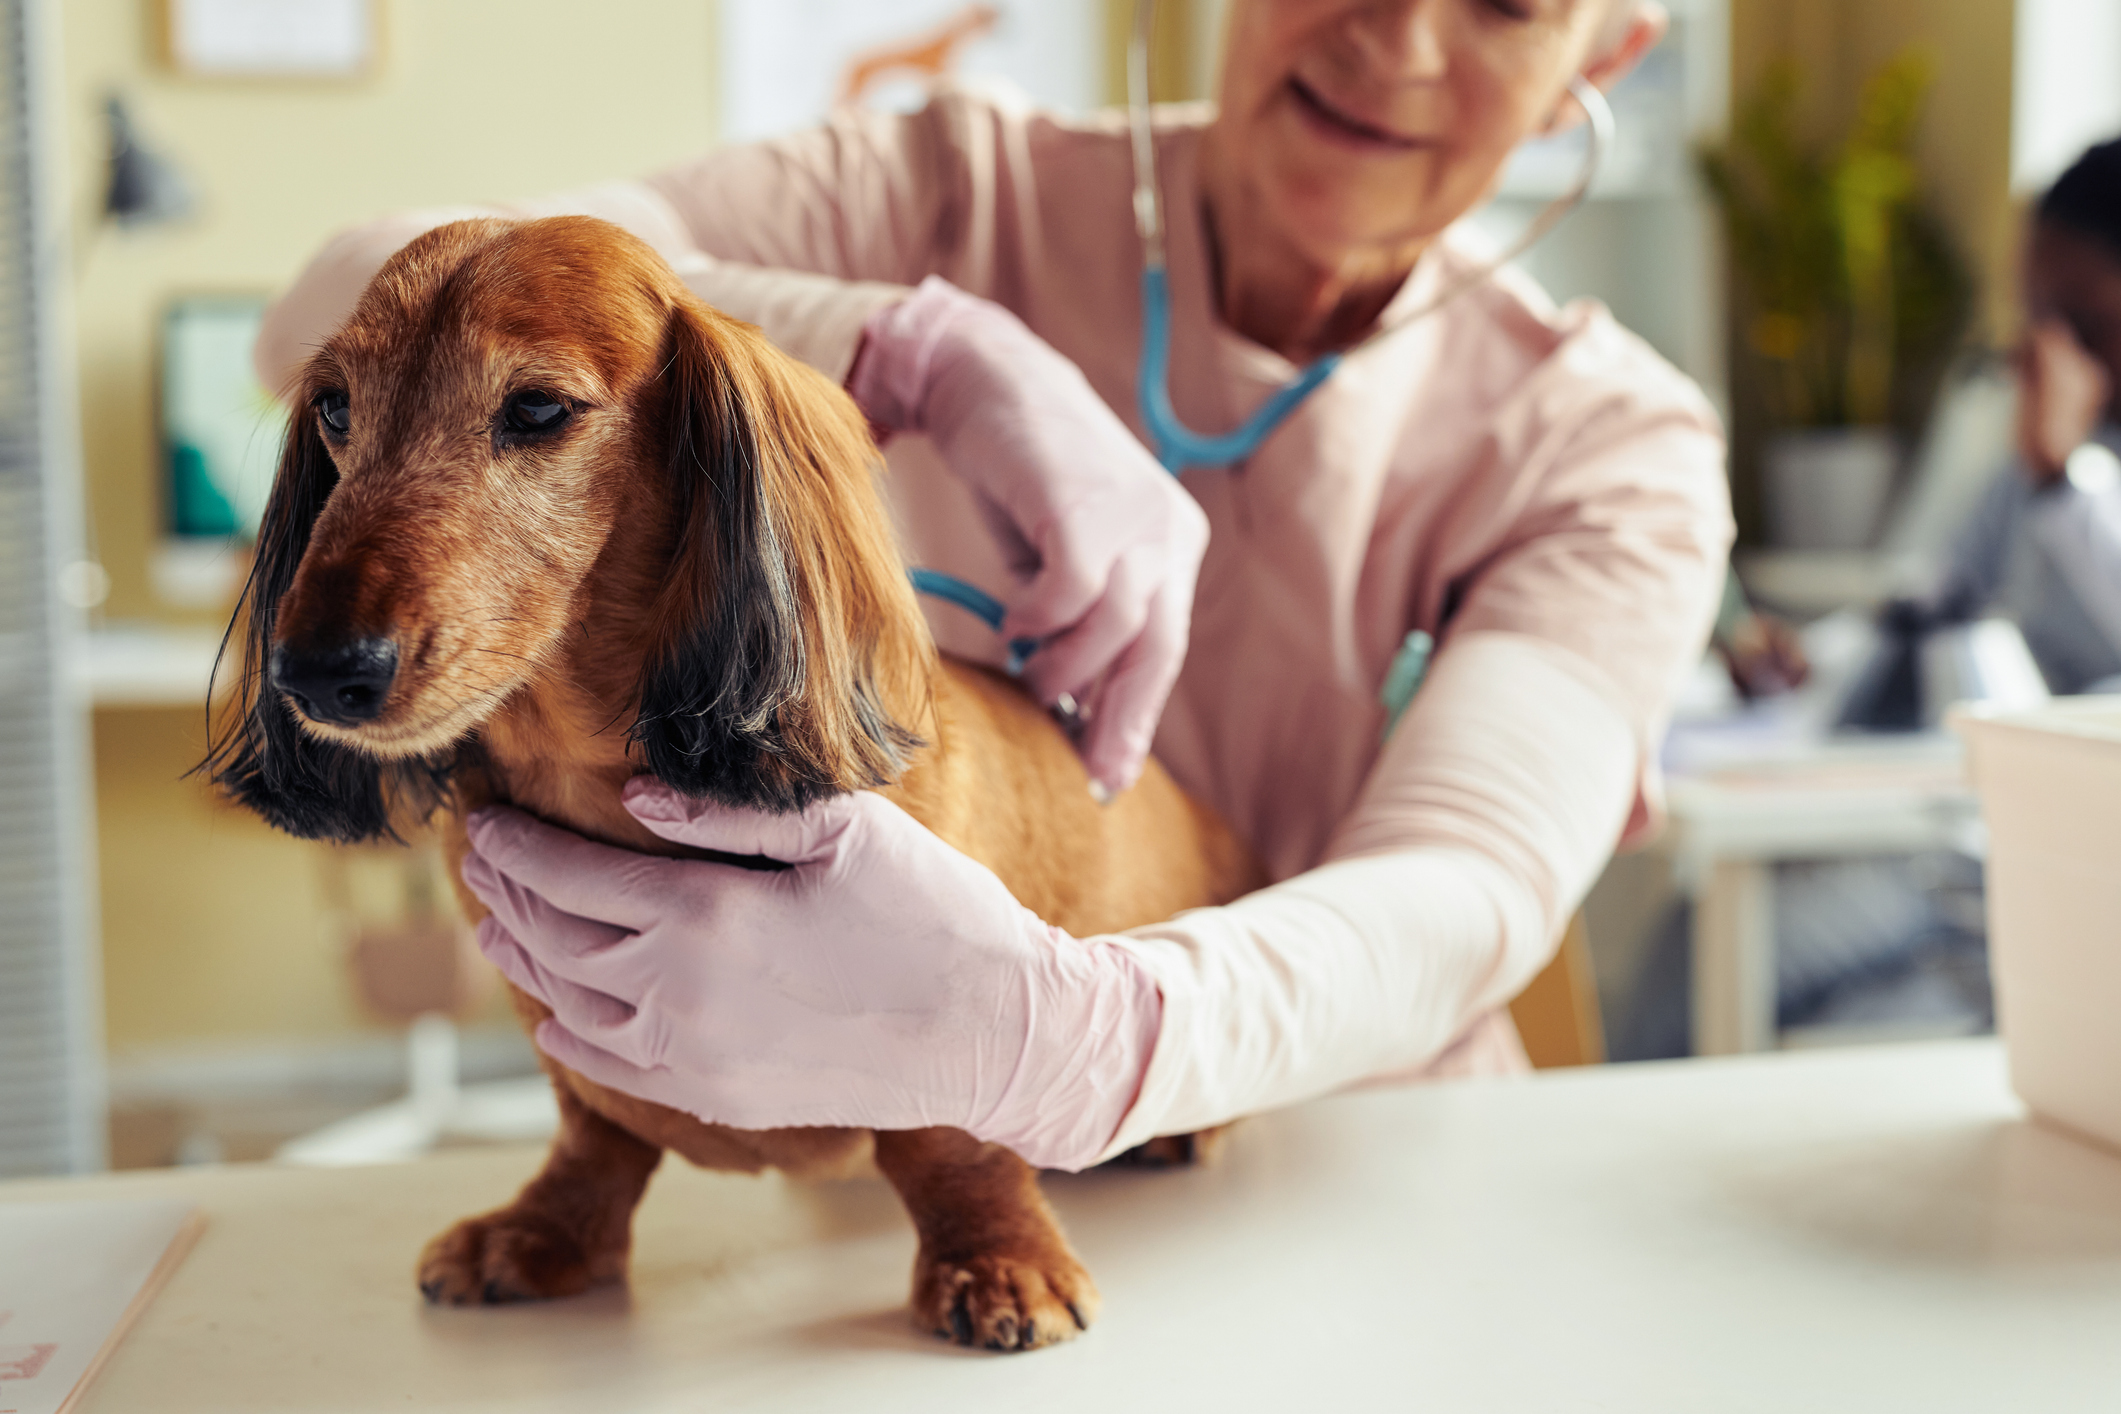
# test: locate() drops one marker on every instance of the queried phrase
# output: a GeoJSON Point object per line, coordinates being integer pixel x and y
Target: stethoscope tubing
{"type": "Point", "coordinates": [1177, 445]}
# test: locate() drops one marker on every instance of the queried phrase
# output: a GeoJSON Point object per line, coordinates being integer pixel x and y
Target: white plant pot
{"type": "Point", "coordinates": [1827, 489]}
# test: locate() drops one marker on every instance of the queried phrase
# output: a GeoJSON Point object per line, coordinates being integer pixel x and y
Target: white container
{"type": "Point", "coordinates": [2050, 786]}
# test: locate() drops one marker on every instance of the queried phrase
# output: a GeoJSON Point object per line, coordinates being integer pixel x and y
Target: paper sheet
{"type": "Point", "coordinates": [73, 1277]}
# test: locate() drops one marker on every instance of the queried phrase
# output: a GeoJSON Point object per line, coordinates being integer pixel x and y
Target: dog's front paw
{"type": "Point", "coordinates": [1005, 1302]}
{"type": "Point", "coordinates": [514, 1254]}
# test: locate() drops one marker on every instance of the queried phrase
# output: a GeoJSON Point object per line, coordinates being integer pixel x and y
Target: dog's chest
{"type": "Point", "coordinates": [551, 761]}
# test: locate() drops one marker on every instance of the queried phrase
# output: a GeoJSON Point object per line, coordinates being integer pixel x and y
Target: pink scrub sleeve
{"type": "Point", "coordinates": [863, 196]}
{"type": "Point", "coordinates": [1524, 759]}
{"type": "Point", "coordinates": [1495, 804]}
{"type": "Point", "coordinates": [1619, 558]}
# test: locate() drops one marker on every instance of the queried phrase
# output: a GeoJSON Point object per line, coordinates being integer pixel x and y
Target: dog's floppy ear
{"type": "Point", "coordinates": [789, 656]}
{"type": "Point", "coordinates": [260, 755]}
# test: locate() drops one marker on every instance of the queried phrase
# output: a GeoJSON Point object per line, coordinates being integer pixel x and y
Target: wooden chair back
{"type": "Point", "coordinates": [1557, 1015]}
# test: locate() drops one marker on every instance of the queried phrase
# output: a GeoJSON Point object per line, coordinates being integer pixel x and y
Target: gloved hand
{"type": "Point", "coordinates": [1114, 543]}
{"type": "Point", "coordinates": [884, 981]}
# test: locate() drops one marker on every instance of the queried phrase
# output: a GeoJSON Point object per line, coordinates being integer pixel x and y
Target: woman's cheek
{"type": "Point", "coordinates": [1258, 40]}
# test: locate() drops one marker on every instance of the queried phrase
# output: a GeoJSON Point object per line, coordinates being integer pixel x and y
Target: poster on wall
{"type": "Point", "coordinates": [302, 39]}
{"type": "Point", "coordinates": [785, 64]}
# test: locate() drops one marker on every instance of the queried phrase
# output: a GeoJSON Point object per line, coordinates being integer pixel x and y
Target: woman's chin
{"type": "Point", "coordinates": [1321, 222]}
{"type": "Point", "coordinates": [1328, 203]}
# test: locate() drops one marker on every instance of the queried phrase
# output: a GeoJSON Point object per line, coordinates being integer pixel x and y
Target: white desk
{"type": "Point", "coordinates": [149, 665]}
{"type": "Point", "coordinates": [1864, 1231]}
{"type": "Point", "coordinates": [1728, 829]}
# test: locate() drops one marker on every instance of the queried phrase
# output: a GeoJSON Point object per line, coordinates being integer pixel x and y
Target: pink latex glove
{"type": "Point", "coordinates": [1112, 543]}
{"type": "Point", "coordinates": [885, 981]}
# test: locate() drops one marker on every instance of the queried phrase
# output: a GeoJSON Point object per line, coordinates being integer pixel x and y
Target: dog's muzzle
{"type": "Point", "coordinates": [340, 684]}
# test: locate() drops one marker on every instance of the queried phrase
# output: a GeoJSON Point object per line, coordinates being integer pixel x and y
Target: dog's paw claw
{"type": "Point", "coordinates": [1005, 1303]}
{"type": "Point", "coordinates": [503, 1257]}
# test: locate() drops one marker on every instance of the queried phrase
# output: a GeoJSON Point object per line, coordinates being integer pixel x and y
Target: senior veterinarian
{"type": "Point", "coordinates": [1530, 486]}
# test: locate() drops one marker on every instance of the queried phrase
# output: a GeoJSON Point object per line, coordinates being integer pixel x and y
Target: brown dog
{"type": "Point", "coordinates": [544, 521]}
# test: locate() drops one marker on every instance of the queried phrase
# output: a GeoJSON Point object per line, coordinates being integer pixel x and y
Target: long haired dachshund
{"type": "Point", "coordinates": [545, 521]}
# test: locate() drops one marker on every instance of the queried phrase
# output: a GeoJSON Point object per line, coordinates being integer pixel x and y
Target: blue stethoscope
{"type": "Point", "coordinates": [1178, 446]}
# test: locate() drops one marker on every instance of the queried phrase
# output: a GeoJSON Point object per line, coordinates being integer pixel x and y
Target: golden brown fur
{"type": "Point", "coordinates": [706, 516]}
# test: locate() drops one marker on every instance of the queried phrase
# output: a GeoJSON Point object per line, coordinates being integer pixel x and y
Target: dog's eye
{"type": "Point", "coordinates": [534, 411]}
{"type": "Point", "coordinates": [334, 412]}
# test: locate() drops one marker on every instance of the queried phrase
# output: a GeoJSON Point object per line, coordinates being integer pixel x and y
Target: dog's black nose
{"type": "Point", "coordinates": [342, 683]}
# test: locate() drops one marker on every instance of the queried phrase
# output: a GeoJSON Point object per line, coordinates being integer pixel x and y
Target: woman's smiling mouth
{"type": "Point", "coordinates": [1344, 128]}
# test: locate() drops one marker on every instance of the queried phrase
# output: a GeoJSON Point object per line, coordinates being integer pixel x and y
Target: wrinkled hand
{"type": "Point", "coordinates": [883, 981]}
{"type": "Point", "coordinates": [2062, 390]}
{"type": "Point", "coordinates": [1113, 544]}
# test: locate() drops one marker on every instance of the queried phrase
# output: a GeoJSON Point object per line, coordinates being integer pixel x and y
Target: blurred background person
{"type": "Point", "coordinates": [1878, 941]}
{"type": "Point", "coordinates": [2043, 546]}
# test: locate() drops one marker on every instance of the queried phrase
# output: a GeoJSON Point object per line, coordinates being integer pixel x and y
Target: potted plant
{"type": "Point", "coordinates": [1850, 297]}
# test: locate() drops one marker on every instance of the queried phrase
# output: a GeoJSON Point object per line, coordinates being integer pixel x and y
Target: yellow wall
{"type": "Point", "coordinates": [214, 927]}
{"type": "Point", "coordinates": [1174, 68]}
{"type": "Point", "coordinates": [213, 924]}
{"type": "Point", "coordinates": [1965, 143]}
